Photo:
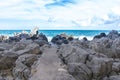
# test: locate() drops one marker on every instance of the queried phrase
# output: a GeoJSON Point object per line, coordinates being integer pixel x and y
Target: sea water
{"type": "Point", "coordinates": [51, 33]}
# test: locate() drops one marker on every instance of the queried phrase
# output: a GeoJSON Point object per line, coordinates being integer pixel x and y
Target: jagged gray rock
{"type": "Point", "coordinates": [72, 54]}
{"type": "Point", "coordinates": [23, 65]}
{"type": "Point", "coordinates": [32, 48]}
{"type": "Point", "coordinates": [100, 67]}
{"type": "Point", "coordinates": [35, 59]}
{"type": "Point", "coordinates": [113, 34]}
{"type": "Point", "coordinates": [80, 71]}
{"type": "Point", "coordinates": [7, 60]}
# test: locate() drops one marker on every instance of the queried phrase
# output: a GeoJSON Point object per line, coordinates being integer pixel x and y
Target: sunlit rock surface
{"type": "Point", "coordinates": [32, 57]}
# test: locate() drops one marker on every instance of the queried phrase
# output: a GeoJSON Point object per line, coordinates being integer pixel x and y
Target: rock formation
{"type": "Point", "coordinates": [62, 38]}
{"type": "Point", "coordinates": [26, 57]}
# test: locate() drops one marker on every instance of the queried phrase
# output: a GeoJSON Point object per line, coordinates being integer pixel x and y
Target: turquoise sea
{"type": "Point", "coordinates": [50, 33]}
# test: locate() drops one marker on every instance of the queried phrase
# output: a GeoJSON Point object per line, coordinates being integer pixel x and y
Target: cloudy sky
{"type": "Point", "coordinates": [60, 14]}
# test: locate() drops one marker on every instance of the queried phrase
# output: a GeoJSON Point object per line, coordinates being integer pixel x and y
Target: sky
{"type": "Point", "coordinates": [60, 14]}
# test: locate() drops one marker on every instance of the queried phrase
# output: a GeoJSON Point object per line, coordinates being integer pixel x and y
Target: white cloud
{"type": "Point", "coordinates": [116, 10]}
{"type": "Point", "coordinates": [56, 15]}
{"type": "Point", "coordinates": [7, 3]}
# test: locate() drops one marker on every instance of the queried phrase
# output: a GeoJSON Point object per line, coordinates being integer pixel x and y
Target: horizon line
{"type": "Point", "coordinates": [62, 29]}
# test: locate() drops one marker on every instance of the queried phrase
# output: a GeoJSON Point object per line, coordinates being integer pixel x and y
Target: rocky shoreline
{"type": "Point", "coordinates": [29, 56]}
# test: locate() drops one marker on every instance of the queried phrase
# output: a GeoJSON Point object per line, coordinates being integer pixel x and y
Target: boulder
{"type": "Point", "coordinates": [107, 46]}
{"type": "Point", "coordinates": [113, 34]}
{"type": "Point", "coordinates": [22, 70]}
{"type": "Point", "coordinates": [56, 38]}
{"type": "Point", "coordinates": [32, 48]}
{"type": "Point", "coordinates": [80, 71]}
{"type": "Point", "coordinates": [41, 36]}
{"type": "Point", "coordinates": [19, 36]}
{"type": "Point", "coordinates": [85, 39]}
{"type": "Point", "coordinates": [116, 47]}
{"type": "Point", "coordinates": [71, 54]}
{"type": "Point", "coordinates": [34, 37]}
{"type": "Point", "coordinates": [59, 39]}
{"type": "Point", "coordinates": [23, 35]}
{"type": "Point", "coordinates": [100, 67]}
{"type": "Point", "coordinates": [99, 36]}
{"type": "Point", "coordinates": [7, 60]}
{"type": "Point", "coordinates": [14, 39]}
{"type": "Point", "coordinates": [70, 38]}
{"type": "Point", "coordinates": [38, 37]}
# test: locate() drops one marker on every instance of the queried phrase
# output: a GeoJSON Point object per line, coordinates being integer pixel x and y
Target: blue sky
{"type": "Point", "coordinates": [60, 14]}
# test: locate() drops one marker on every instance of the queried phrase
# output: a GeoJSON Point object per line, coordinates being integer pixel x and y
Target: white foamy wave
{"type": "Point", "coordinates": [49, 38]}
{"type": "Point", "coordinates": [79, 37]}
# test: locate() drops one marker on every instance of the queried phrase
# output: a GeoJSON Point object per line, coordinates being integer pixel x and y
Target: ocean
{"type": "Point", "coordinates": [50, 33]}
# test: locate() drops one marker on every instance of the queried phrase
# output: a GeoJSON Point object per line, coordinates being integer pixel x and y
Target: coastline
{"type": "Point", "coordinates": [30, 56]}
{"type": "Point", "coordinates": [51, 33]}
